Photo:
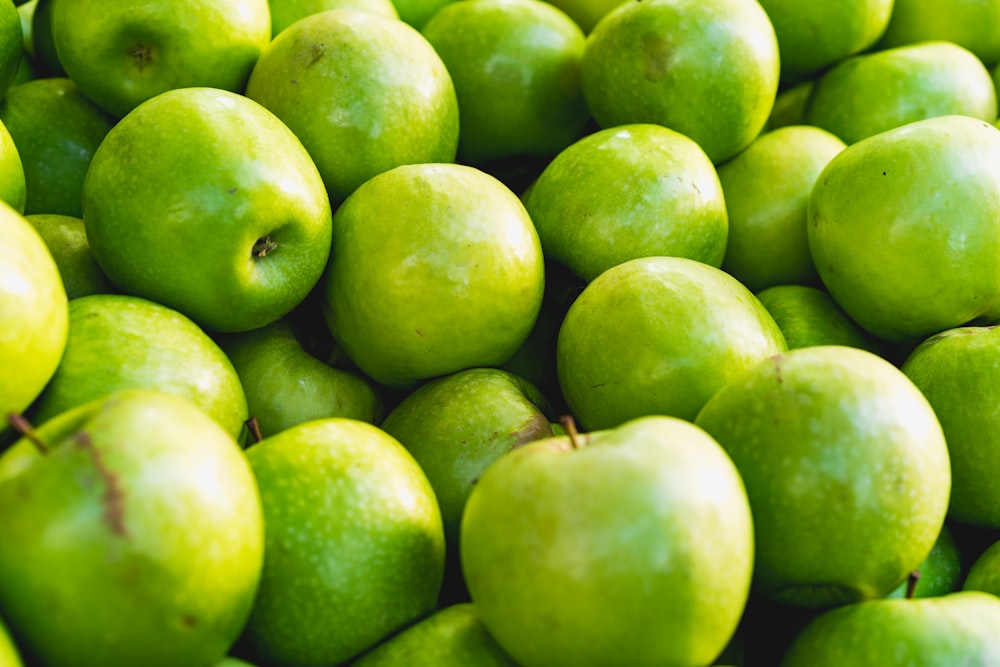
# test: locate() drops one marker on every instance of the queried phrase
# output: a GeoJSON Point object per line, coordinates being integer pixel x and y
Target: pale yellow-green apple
{"type": "Point", "coordinates": [123, 53]}
{"type": "Point", "coordinates": [809, 316]}
{"type": "Point", "coordinates": [120, 342]}
{"type": "Point", "coordinates": [515, 65]}
{"type": "Point", "coordinates": [706, 68]}
{"type": "Point", "coordinates": [846, 468]}
{"type": "Point", "coordinates": [958, 371]}
{"type": "Point", "coordinates": [969, 23]}
{"type": "Point", "coordinates": [56, 131]}
{"type": "Point", "coordinates": [26, 14]}
{"type": "Point", "coordinates": [957, 629]}
{"type": "Point", "coordinates": [626, 192]}
{"type": "Point", "coordinates": [767, 188]}
{"type": "Point", "coordinates": [285, 385]}
{"type": "Point", "coordinates": [286, 12]}
{"type": "Point", "coordinates": [904, 227]}
{"type": "Point", "coordinates": [364, 93]}
{"type": "Point", "coordinates": [437, 268]}
{"type": "Point", "coordinates": [132, 532]}
{"type": "Point", "coordinates": [940, 573]}
{"type": "Point", "coordinates": [34, 313]}
{"type": "Point", "coordinates": [9, 655]}
{"type": "Point", "coordinates": [450, 637]}
{"type": "Point", "coordinates": [629, 546]}
{"type": "Point", "coordinates": [658, 336]}
{"type": "Point", "coordinates": [984, 575]}
{"type": "Point", "coordinates": [11, 44]}
{"type": "Point", "coordinates": [875, 92]}
{"type": "Point", "coordinates": [66, 239]}
{"type": "Point", "coordinates": [814, 35]}
{"type": "Point", "coordinates": [227, 221]}
{"type": "Point", "coordinates": [12, 182]}
{"type": "Point", "coordinates": [354, 543]}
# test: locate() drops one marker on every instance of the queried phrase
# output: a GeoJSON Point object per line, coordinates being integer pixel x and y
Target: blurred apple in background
{"type": "Point", "coordinates": [12, 184]}
{"type": "Point", "coordinates": [628, 192]}
{"type": "Point", "coordinates": [120, 342]}
{"type": "Point", "coordinates": [66, 238]}
{"type": "Point", "coordinates": [808, 316]}
{"type": "Point", "coordinates": [631, 546]}
{"type": "Point", "coordinates": [11, 43]}
{"type": "Point", "coordinates": [148, 511]}
{"type": "Point", "coordinates": [286, 12]}
{"type": "Point", "coordinates": [846, 469]}
{"type": "Point", "coordinates": [364, 93]}
{"type": "Point", "coordinates": [940, 573]}
{"type": "Point", "coordinates": [9, 656]}
{"type": "Point", "coordinates": [658, 336]}
{"type": "Point", "coordinates": [968, 23]}
{"type": "Point", "coordinates": [437, 268]}
{"type": "Point", "coordinates": [984, 575]}
{"type": "Point", "coordinates": [227, 221]}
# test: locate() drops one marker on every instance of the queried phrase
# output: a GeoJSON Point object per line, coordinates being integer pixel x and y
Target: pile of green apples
{"type": "Point", "coordinates": [461, 333]}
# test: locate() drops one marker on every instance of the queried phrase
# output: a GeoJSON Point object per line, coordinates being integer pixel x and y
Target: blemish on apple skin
{"type": "Point", "coordinates": [114, 497]}
{"type": "Point", "coordinates": [777, 360]}
{"type": "Point", "coordinates": [420, 333]}
{"type": "Point", "coordinates": [189, 621]}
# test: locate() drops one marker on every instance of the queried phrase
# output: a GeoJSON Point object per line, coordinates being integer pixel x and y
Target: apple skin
{"type": "Point", "coordinates": [631, 191]}
{"type": "Point", "coordinates": [286, 12]}
{"type": "Point", "coordinates": [958, 370]}
{"type": "Point", "coordinates": [227, 221]}
{"type": "Point", "coordinates": [708, 70]}
{"type": "Point", "coordinates": [12, 184]}
{"type": "Point", "coordinates": [148, 511]}
{"type": "Point", "coordinates": [66, 239]}
{"type": "Point", "coordinates": [354, 543]}
{"type": "Point", "coordinates": [940, 573]}
{"type": "Point", "coordinates": [11, 41]}
{"type": "Point", "coordinates": [286, 386]}
{"type": "Point", "coordinates": [634, 548]}
{"type": "Point", "coordinates": [364, 93]}
{"type": "Point", "coordinates": [120, 342]}
{"type": "Point", "coordinates": [437, 268]}
{"type": "Point", "coordinates": [968, 23]}
{"type": "Point", "coordinates": [122, 54]}
{"type": "Point", "coordinates": [956, 629]}
{"type": "Point", "coordinates": [808, 316]}
{"type": "Point", "coordinates": [766, 189]}
{"type": "Point", "coordinates": [984, 575]}
{"type": "Point", "coordinates": [34, 311]}
{"type": "Point", "coordinates": [515, 65]}
{"type": "Point", "coordinates": [875, 92]}
{"type": "Point", "coordinates": [9, 656]}
{"type": "Point", "coordinates": [658, 336]}
{"type": "Point", "coordinates": [903, 228]}
{"type": "Point", "coordinates": [46, 59]}
{"type": "Point", "coordinates": [56, 131]}
{"type": "Point", "coordinates": [451, 637]}
{"type": "Point", "coordinates": [846, 468]}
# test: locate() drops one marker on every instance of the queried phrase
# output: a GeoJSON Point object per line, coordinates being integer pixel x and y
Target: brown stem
{"type": "Point", "coordinates": [570, 425]}
{"type": "Point", "coordinates": [20, 424]}
{"type": "Point", "coordinates": [254, 427]}
{"type": "Point", "coordinates": [911, 584]}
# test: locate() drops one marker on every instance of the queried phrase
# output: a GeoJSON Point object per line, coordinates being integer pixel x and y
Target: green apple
{"type": "Point", "coordinates": [957, 629]}
{"type": "Point", "coordinates": [984, 575]}
{"type": "Point", "coordinates": [630, 546]}
{"type": "Point", "coordinates": [968, 23]}
{"type": "Point", "coordinates": [417, 12]}
{"type": "Point", "coordinates": [26, 14]}
{"type": "Point", "coordinates": [626, 192]}
{"type": "Point", "coordinates": [515, 65]}
{"type": "Point", "coordinates": [815, 35]}
{"type": "Point", "coordinates": [809, 316]}
{"type": "Point", "coordinates": [120, 342]}
{"type": "Point", "coordinates": [45, 57]}
{"type": "Point", "coordinates": [846, 468]}
{"type": "Point", "coordinates": [658, 336]}
{"type": "Point", "coordinates": [875, 92]}
{"type": "Point", "coordinates": [286, 12]}
{"type": "Point", "coordinates": [12, 183]}
{"type": "Point", "coordinates": [123, 53]}
{"type": "Point", "coordinates": [364, 93]}
{"type": "Point", "coordinates": [66, 239]}
{"type": "Point", "coordinates": [232, 662]}
{"type": "Point", "coordinates": [56, 131]}
{"type": "Point", "coordinates": [227, 221]}
{"type": "Point", "coordinates": [354, 543]}
{"type": "Point", "coordinates": [790, 105]}
{"type": "Point", "coordinates": [767, 189]}
{"type": "Point", "coordinates": [451, 637]}
{"type": "Point", "coordinates": [33, 310]}
{"type": "Point", "coordinates": [958, 370]}
{"type": "Point", "coordinates": [286, 386]}
{"type": "Point", "coordinates": [437, 268]}
{"type": "Point", "coordinates": [708, 69]}
{"type": "Point", "coordinates": [939, 574]}
{"type": "Point", "coordinates": [132, 535]}
{"type": "Point", "coordinates": [586, 13]}
{"type": "Point", "coordinates": [903, 227]}
{"type": "Point", "coordinates": [9, 656]}
{"type": "Point", "coordinates": [11, 45]}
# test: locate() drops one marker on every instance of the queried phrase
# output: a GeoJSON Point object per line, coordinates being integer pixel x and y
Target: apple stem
{"type": "Point", "coordinates": [911, 584]}
{"type": "Point", "coordinates": [570, 425]}
{"type": "Point", "coordinates": [254, 427]}
{"type": "Point", "coordinates": [24, 427]}
{"type": "Point", "coordinates": [263, 247]}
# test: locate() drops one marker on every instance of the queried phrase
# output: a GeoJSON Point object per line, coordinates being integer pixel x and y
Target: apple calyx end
{"type": "Point", "coordinates": [263, 246]}
{"type": "Point", "coordinates": [21, 424]}
{"type": "Point", "coordinates": [569, 424]}
{"type": "Point", "coordinates": [142, 55]}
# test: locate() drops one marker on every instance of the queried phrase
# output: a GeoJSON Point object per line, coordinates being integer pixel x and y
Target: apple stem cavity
{"type": "Point", "coordinates": [141, 55]}
{"type": "Point", "coordinates": [911, 584]}
{"type": "Point", "coordinates": [263, 247]}
{"type": "Point", "coordinates": [20, 424]}
{"type": "Point", "coordinates": [254, 427]}
{"type": "Point", "coordinates": [569, 424]}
